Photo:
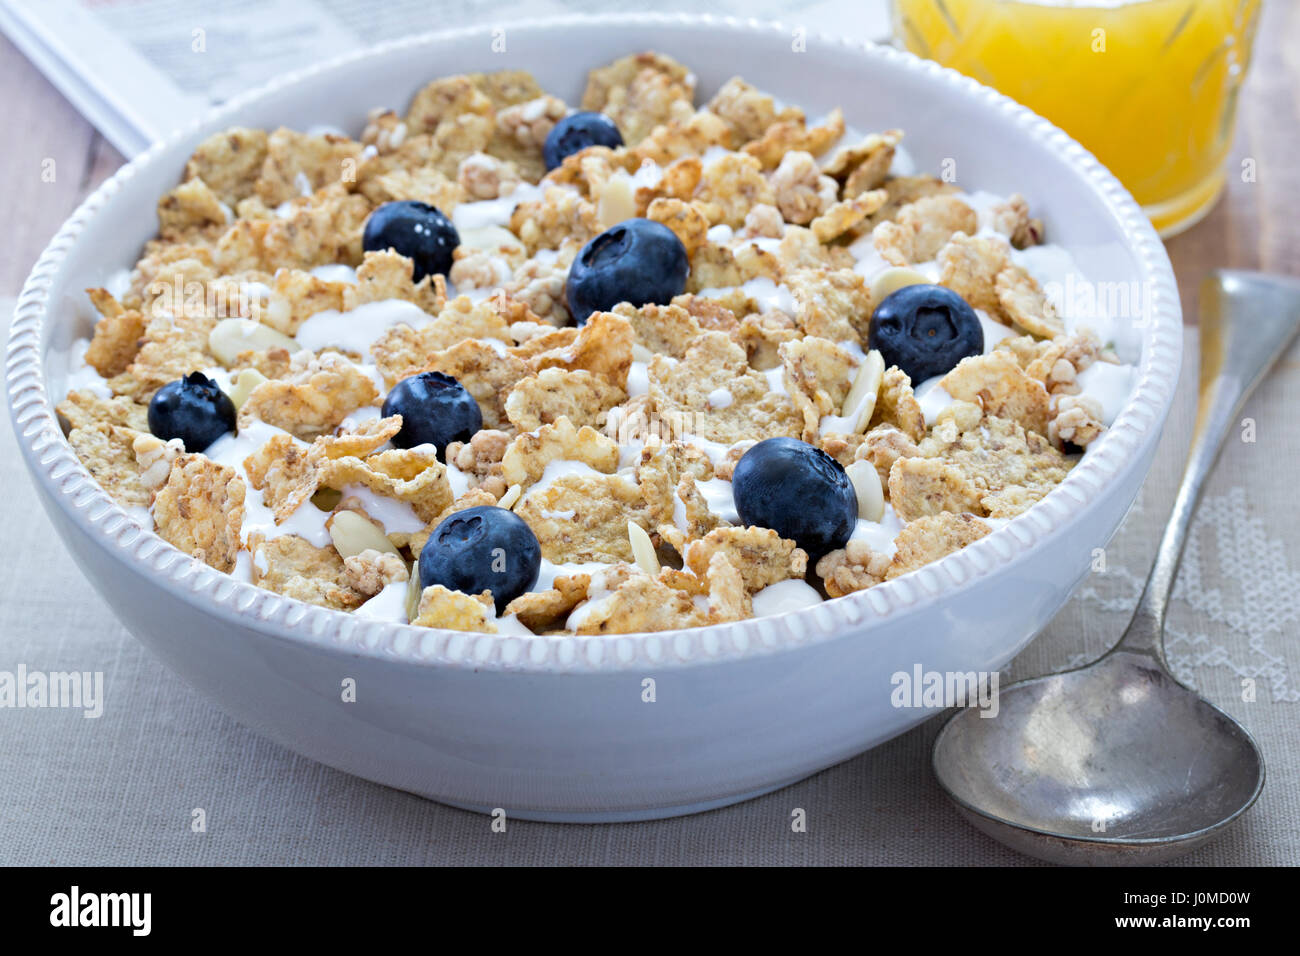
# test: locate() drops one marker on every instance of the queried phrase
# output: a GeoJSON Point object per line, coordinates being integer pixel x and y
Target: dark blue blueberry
{"type": "Point", "coordinates": [575, 133]}
{"type": "Point", "coordinates": [435, 410]}
{"type": "Point", "coordinates": [482, 549]}
{"type": "Point", "coordinates": [798, 491]}
{"type": "Point", "coordinates": [416, 230]}
{"type": "Point", "coordinates": [193, 409]}
{"type": "Point", "coordinates": [925, 330]}
{"type": "Point", "coordinates": [637, 261]}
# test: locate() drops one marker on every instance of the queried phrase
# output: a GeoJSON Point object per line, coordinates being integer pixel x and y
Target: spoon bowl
{"type": "Point", "coordinates": [1069, 771]}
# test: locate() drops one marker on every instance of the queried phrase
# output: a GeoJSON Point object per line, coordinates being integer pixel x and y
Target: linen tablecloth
{"type": "Point", "coordinates": [121, 789]}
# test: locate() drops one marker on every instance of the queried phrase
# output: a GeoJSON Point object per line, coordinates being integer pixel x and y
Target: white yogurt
{"type": "Point", "coordinates": [388, 605]}
{"type": "Point", "coordinates": [82, 376]}
{"type": "Point", "coordinates": [336, 273]}
{"type": "Point", "coordinates": [720, 498]}
{"type": "Point", "coordinates": [496, 212]}
{"type": "Point", "coordinates": [1110, 385]}
{"type": "Point", "coordinates": [770, 296]}
{"type": "Point", "coordinates": [867, 260]}
{"type": "Point", "coordinates": [720, 398]}
{"type": "Point", "coordinates": [879, 535]}
{"type": "Point", "coordinates": [788, 595]}
{"type": "Point", "coordinates": [118, 283]}
{"type": "Point", "coordinates": [932, 398]}
{"type": "Point", "coordinates": [510, 624]}
{"type": "Point", "coordinates": [361, 416]}
{"type": "Point", "coordinates": [560, 468]}
{"type": "Point", "coordinates": [638, 379]}
{"type": "Point", "coordinates": [359, 328]}
{"type": "Point", "coordinates": [396, 517]}
{"type": "Point", "coordinates": [994, 331]}
{"type": "Point", "coordinates": [647, 176]}
{"type": "Point", "coordinates": [457, 479]}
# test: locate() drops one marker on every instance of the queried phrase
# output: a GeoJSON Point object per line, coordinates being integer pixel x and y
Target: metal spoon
{"type": "Point", "coordinates": [1117, 762]}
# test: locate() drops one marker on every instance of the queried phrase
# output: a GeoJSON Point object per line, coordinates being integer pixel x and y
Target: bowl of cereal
{"type": "Point", "coordinates": [605, 423]}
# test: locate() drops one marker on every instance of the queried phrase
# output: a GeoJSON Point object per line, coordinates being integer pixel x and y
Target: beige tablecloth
{"type": "Point", "coordinates": [120, 789]}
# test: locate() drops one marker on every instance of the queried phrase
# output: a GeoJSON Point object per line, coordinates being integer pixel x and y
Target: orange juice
{"type": "Point", "coordinates": [1150, 86]}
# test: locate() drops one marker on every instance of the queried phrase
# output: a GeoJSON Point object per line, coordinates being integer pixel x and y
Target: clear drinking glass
{"type": "Point", "coordinates": [1150, 86]}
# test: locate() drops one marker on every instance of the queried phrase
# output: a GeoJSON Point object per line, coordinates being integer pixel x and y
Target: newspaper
{"type": "Point", "coordinates": [136, 69]}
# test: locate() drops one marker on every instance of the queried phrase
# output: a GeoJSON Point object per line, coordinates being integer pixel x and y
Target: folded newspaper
{"type": "Point", "coordinates": [137, 69]}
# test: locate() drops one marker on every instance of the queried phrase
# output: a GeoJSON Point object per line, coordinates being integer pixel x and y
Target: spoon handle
{"type": "Point", "coordinates": [1247, 320]}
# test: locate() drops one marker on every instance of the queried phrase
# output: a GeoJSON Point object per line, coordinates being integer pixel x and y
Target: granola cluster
{"type": "Point", "coordinates": [615, 441]}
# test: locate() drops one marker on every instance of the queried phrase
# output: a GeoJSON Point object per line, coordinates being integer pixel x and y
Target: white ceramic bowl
{"type": "Point", "coordinates": [558, 728]}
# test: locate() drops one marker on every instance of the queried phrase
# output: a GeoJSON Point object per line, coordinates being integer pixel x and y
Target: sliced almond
{"type": "Point", "coordinates": [247, 380]}
{"type": "Point", "coordinates": [862, 394]}
{"type": "Point", "coordinates": [413, 592]}
{"type": "Point", "coordinates": [640, 353]}
{"type": "Point", "coordinates": [353, 533]}
{"type": "Point", "coordinates": [866, 484]}
{"type": "Point", "coordinates": [511, 496]}
{"type": "Point", "coordinates": [643, 549]}
{"type": "Point", "coordinates": [893, 279]}
{"type": "Point", "coordinates": [229, 337]}
{"type": "Point", "coordinates": [617, 203]}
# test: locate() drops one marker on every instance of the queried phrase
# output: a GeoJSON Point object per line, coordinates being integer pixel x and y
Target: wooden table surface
{"type": "Point", "coordinates": [1256, 225]}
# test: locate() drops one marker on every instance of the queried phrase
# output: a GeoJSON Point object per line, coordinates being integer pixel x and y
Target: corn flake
{"type": "Point", "coordinates": [580, 396]}
{"type": "Point", "coordinates": [831, 304]}
{"type": "Point", "coordinates": [528, 455]}
{"type": "Point", "coordinates": [896, 405]}
{"type": "Point", "coordinates": [547, 610]}
{"type": "Point", "coordinates": [1025, 305]}
{"type": "Point", "coordinates": [1012, 468]}
{"type": "Point", "coordinates": [927, 486]}
{"type": "Point", "coordinates": [761, 555]}
{"type": "Point", "coordinates": [321, 392]}
{"type": "Point", "coordinates": [200, 510]}
{"type": "Point", "coordinates": [230, 162]}
{"type": "Point", "coordinates": [579, 518]}
{"type": "Point", "coordinates": [388, 275]}
{"type": "Point", "coordinates": [294, 567]}
{"type": "Point", "coordinates": [922, 228]}
{"type": "Point", "coordinates": [680, 393]}
{"type": "Point", "coordinates": [818, 375]}
{"type": "Point", "coordinates": [640, 603]}
{"type": "Point", "coordinates": [1000, 387]}
{"type": "Point", "coordinates": [603, 347]}
{"type": "Point", "coordinates": [641, 92]}
{"type": "Point", "coordinates": [106, 451]}
{"type": "Point", "coordinates": [932, 537]}
{"type": "Point", "coordinates": [412, 475]}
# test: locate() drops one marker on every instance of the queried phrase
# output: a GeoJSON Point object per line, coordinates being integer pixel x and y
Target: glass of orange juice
{"type": "Point", "coordinates": [1150, 86]}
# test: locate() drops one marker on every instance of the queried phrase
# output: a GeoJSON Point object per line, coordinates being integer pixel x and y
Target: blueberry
{"type": "Point", "coordinates": [575, 133]}
{"type": "Point", "coordinates": [193, 409]}
{"type": "Point", "coordinates": [414, 229]}
{"type": "Point", "coordinates": [436, 410]}
{"type": "Point", "coordinates": [798, 491]}
{"type": "Point", "coordinates": [637, 261]}
{"type": "Point", "coordinates": [482, 549]}
{"type": "Point", "coordinates": [925, 330]}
